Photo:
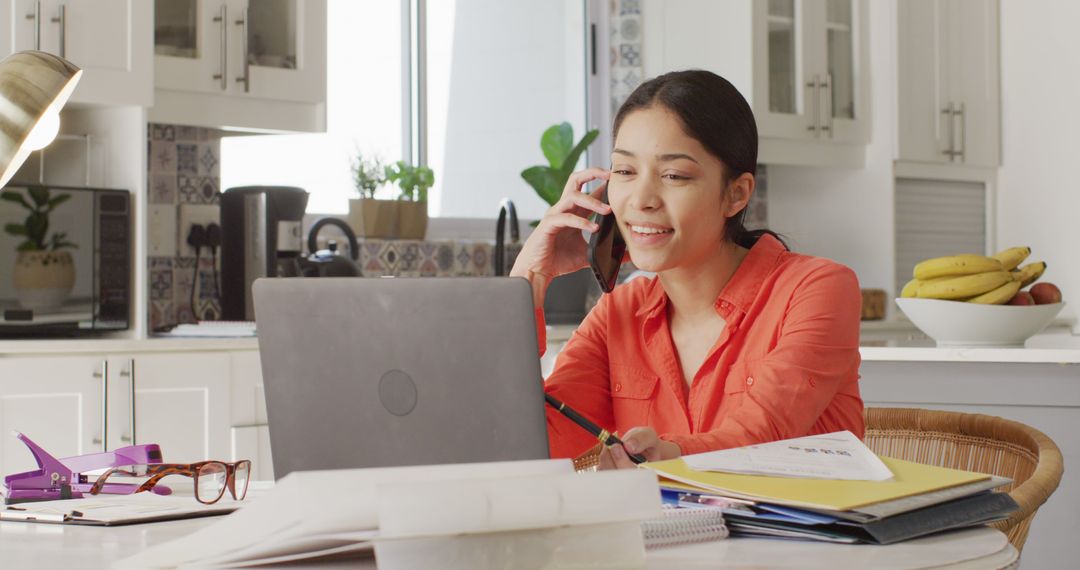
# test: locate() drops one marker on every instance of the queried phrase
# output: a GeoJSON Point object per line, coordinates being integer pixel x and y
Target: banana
{"type": "Point", "coordinates": [1030, 273]}
{"type": "Point", "coordinates": [964, 286]}
{"type": "Point", "coordinates": [1010, 258]}
{"type": "Point", "coordinates": [954, 265]}
{"type": "Point", "coordinates": [911, 289]}
{"type": "Point", "coordinates": [998, 296]}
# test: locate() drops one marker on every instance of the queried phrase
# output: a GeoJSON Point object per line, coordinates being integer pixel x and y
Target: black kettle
{"type": "Point", "coordinates": [329, 262]}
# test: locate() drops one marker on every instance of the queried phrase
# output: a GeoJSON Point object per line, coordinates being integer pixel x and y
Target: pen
{"type": "Point", "coordinates": [603, 435]}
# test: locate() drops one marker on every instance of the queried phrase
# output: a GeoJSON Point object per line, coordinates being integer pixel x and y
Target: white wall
{"type": "Point", "coordinates": [1038, 184]}
{"type": "Point", "coordinates": [847, 215]}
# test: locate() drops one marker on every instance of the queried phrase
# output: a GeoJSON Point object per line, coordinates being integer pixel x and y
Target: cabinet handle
{"type": "Point", "coordinates": [948, 112]}
{"type": "Point", "coordinates": [961, 137]}
{"type": "Point", "coordinates": [223, 20]}
{"type": "Point", "coordinates": [36, 17]}
{"type": "Point", "coordinates": [62, 20]}
{"type": "Point", "coordinates": [104, 405]}
{"type": "Point", "coordinates": [827, 86]}
{"type": "Point", "coordinates": [130, 373]}
{"type": "Point", "coordinates": [813, 85]}
{"type": "Point", "coordinates": [246, 77]}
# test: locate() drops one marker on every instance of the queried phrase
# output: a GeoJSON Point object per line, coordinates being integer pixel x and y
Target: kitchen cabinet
{"type": "Point", "coordinates": [109, 39]}
{"type": "Point", "coordinates": [949, 106]}
{"type": "Point", "coordinates": [245, 64]}
{"type": "Point", "coordinates": [249, 434]}
{"type": "Point", "coordinates": [801, 64]}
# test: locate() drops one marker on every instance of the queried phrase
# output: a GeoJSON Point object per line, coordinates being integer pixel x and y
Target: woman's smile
{"type": "Point", "coordinates": [648, 234]}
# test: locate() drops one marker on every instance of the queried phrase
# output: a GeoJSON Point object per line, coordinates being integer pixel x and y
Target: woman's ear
{"type": "Point", "coordinates": [738, 195]}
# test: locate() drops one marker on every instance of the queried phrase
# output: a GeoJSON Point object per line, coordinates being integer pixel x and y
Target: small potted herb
{"type": "Point", "coordinates": [414, 182]}
{"type": "Point", "coordinates": [44, 272]}
{"type": "Point", "coordinates": [369, 216]}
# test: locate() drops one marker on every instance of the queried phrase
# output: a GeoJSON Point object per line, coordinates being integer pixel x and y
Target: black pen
{"type": "Point", "coordinates": [603, 435]}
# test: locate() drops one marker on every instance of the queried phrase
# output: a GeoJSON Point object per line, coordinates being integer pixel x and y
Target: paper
{"type": "Point", "coordinates": [115, 510]}
{"type": "Point", "coordinates": [838, 455]}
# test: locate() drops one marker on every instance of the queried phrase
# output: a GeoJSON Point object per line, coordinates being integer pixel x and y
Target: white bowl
{"type": "Point", "coordinates": [955, 323]}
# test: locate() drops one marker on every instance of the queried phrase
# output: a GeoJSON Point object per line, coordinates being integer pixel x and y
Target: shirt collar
{"type": "Point", "coordinates": [740, 290]}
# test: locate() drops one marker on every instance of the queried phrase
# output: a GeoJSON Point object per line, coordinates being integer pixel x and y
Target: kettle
{"type": "Point", "coordinates": [329, 262]}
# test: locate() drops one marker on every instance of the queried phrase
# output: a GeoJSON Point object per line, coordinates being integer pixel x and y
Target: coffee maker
{"type": "Point", "coordinates": [261, 236]}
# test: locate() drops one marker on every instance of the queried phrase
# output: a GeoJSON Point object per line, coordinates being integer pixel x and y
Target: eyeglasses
{"type": "Point", "coordinates": [211, 477]}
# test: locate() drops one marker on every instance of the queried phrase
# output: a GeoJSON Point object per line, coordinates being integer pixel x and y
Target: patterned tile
{"type": "Point", "coordinates": [162, 132]}
{"type": "Point", "coordinates": [187, 189]}
{"type": "Point", "coordinates": [163, 189]}
{"type": "Point", "coordinates": [630, 29]}
{"type": "Point", "coordinates": [162, 157]}
{"type": "Point", "coordinates": [409, 259]}
{"type": "Point", "coordinates": [208, 159]}
{"type": "Point", "coordinates": [187, 158]}
{"type": "Point", "coordinates": [463, 266]}
{"type": "Point", "coordinates": [481, 259]}
{"type": "Point", "coordinates": [630, 54]}
{"type": "Point", "coordinates": [389, 257]}
{"type": "Point", "coordinates": [208, 189]}
{"type": "Point", "coordinates": [161, 314]}
{"type": "Point", "coordinates": [161, 279]}
{"type": "Point", "coordinates": [444, 259]}
{"type": "Point", "coordinates": [206, 288]}
{"type": "Point", "coordinates": [187, 134]}
{"type": "Point", "coordinates": [209, 309]}
{"type": "Point", "coordinates": [629, 7]}
{"type": "Point", "coordinates": [370, 263]}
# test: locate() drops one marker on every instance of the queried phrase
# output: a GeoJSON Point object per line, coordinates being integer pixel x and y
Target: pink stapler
{"type": "Point", "coordinates": [66, 478]}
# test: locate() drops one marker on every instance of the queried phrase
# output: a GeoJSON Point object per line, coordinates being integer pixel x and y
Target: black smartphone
{"type": "Point", "coordinates": [606, 250]}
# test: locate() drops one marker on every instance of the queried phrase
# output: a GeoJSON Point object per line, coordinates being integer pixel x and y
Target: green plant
{"type": "Point", "coordinates": [368, 174]}
{"type": "Point", "coordinates": [414, 181]}
{"type": "Point", "coordinates": [36, 225]}
{"type": "Point", "coordinates": [562, 155]}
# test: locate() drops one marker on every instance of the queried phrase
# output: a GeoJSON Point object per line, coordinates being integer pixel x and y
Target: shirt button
{"type": "Point", "coordinates": [749, 380]}
{"type": "Point", "coordinates": [618, 387]}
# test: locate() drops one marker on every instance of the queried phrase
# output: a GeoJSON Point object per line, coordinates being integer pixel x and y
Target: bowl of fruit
{"type": "Point", "coordinates": [977, 300]}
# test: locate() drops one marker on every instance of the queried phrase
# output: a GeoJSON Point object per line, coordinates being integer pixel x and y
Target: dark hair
{"type": "Point", "coordinates": [714, 112]}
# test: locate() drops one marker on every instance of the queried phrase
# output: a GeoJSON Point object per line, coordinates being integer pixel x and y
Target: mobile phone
{"type": "Point", "coordinates": [606, 250]}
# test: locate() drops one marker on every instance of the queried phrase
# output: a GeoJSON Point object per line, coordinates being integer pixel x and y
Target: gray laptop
{"type": "Point", "coordinates": [386, 372]}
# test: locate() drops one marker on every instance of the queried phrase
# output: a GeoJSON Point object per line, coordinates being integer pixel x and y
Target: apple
{"type": "Point", "coordinates": [1022, 298]}
{"type": "Point", "coordinates": [1045, 293]}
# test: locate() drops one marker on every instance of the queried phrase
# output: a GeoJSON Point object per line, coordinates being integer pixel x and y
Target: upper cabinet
{"type": "Point", "coordinates": [245, 64]}
{"type": "Point", "coordinates": [948, 81]}
{"type": "Point", "coordinates": [802, 65]}
{"type": "Point", "coordinates": [111, 40]}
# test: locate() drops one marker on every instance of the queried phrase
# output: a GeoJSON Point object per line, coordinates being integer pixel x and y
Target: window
{"type": "Point", "coordinates": [497, 74]}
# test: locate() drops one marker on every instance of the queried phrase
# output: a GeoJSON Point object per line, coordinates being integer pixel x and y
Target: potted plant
{"type": "Point", "coordinates": [368, 216]}
{"type": "Point", "coordinates": [413, 181]}
{"type": "Point", "coordinates": [44, 274]}
{"type": "Point", "coordinates": [565, 301]}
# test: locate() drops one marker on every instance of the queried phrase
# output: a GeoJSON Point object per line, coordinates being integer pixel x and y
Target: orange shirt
{"type": "Point", "coordinates": [786, 364]}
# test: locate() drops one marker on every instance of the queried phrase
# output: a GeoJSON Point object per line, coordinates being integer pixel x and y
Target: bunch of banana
{"type": "Point", "coordinates": [992, 280]}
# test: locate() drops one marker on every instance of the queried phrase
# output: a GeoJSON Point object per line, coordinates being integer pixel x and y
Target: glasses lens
{"type": "Point", "coordinates": [243, 475]}
{"type": "Point", "coordinates": [210, 483]}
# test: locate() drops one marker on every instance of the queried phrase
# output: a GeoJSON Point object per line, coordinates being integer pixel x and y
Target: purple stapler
{"type": "Point", "coordinates": [65, 478]}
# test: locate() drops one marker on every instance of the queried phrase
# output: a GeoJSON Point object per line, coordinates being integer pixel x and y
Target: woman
{"type": "Point", "coordinates": [737, 340]}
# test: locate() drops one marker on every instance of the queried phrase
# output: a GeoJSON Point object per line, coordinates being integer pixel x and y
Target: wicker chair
{"type": "Point", "coordinates": [974, 442]}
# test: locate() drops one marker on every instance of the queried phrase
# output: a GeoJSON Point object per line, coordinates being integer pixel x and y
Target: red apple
{"type": "Point", "coordinates": [1045, 293]}
{"type": "Point", "coordinates": [1022, 298]}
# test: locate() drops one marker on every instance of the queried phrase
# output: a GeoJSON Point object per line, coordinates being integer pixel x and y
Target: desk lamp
{"type": "Point", "coordinates": [34, 86]}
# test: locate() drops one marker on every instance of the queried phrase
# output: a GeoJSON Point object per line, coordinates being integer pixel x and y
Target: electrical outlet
{"type": "Point", "coordinates": [201, 214]}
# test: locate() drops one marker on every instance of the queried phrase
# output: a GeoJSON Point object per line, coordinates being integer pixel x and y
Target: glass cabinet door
{"type": "Point", "coordinates": [840, 58]}
{"type": "Point", "coordinates": [782, 38]}
{"type": "Point", "coordinates": [272, 33]}
{"type": "Point", "coordinates": [176, 27]}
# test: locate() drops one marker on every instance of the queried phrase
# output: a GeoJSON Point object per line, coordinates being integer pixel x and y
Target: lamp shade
{"type": "Point", "coordinates": [34, 86]}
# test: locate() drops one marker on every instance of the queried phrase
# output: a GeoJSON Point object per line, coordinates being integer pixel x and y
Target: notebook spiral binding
{"type": "Point", "coordinates": [683, 526]}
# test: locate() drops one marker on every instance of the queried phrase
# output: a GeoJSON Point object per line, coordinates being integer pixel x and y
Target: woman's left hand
{"type": "Point", "coordinates": [640, 440]}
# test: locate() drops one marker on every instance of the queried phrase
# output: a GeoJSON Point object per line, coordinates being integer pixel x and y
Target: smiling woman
{"type": "Point", "coordinates": [737, 340]}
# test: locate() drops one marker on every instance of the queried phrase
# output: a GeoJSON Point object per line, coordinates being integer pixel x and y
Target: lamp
{"type": "Point", "coordinates": [34, 86]}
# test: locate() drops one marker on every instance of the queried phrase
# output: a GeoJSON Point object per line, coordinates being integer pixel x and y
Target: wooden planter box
{"type": "Point", "coordinates": [374, 218]}
{"type": "Point", "coordinates": [412, 220]}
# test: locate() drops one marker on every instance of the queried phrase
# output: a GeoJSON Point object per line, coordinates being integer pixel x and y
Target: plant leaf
{"type": "Point", "coordinates": [556, 143]}
{"type": "Point", "coordinates": [17, 198]}
{"type": "Point", "coordinates": [15, 229]}
{"type": "Point", "coordinates": [575, 154]}
{"type": "Point", "coordinates": [37, 225]}
{"type": "Point", "coordinates": [39, 195]}
{"type": "Point", "coordinates": [57, 200]}
{"type": "Point", "coordinates": [28, 246]}
{"type": "Point", "coordinates": [546, 181]}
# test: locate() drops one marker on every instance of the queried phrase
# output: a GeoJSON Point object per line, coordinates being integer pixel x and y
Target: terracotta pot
{"type": "Point", "coordinates": [374, 218]}
{"type": "Point", "coordinates": [43, 279]}
{"type": "Point", "coordinates": [412, 220]}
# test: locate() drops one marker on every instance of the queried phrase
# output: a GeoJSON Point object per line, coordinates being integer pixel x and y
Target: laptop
{"type": "Point", "coordinates": [399, 371]}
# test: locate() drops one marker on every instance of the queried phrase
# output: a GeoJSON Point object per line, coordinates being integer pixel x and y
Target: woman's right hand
{"type": "Point", "coordinates": [556, 247]}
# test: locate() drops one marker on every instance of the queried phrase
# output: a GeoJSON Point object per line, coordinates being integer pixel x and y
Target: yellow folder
{"type": "Point", "coordinates": [908, 479]}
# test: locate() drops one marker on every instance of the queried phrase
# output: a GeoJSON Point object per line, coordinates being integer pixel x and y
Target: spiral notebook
{"type": "Point", "coordinates": [680, 525]}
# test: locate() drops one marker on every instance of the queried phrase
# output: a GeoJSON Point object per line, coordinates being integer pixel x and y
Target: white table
{"type": "Point", "coordinates": [28, 545]}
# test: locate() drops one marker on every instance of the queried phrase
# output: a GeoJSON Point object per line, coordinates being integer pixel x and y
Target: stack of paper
{"type": "Point", "coordinates": [770, 490]}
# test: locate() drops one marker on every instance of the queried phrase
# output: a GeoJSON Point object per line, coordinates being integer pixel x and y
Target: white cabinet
{"type": "Point", "coordinates": [802, 65]}
{"type": "Point", "coordinates": [245, 64]}
{"type": "Point", "coordinates": [109, 39]}
{"type": "Point", "coordinates": [249, 435]}
{"type": "Point", "coordinates": [949, 92]}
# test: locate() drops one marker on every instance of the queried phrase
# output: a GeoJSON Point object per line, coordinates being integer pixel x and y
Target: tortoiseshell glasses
{"type": "Point", "coordinates": [211, 477]}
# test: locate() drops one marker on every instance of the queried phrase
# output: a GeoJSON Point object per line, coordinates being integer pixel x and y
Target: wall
{"type": "Point", "coordinates": [1038, 199]}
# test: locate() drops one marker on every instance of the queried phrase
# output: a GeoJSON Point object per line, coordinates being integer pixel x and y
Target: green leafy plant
{"type": "Point", "coordinates": [36, 226]}
{"type": "Point", "coordinates": [369, 173]}
{"type": "Point", "coordinates": [562, 155]}
{"type": "Point", "coordinates": [414, 181]}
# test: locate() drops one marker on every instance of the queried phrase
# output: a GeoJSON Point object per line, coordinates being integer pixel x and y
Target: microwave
{"type": "Point", "coordinates": [65, 260]}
